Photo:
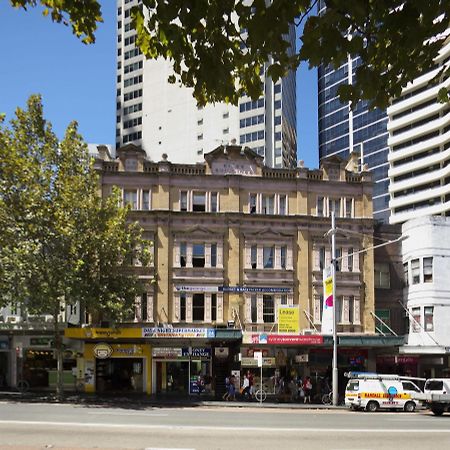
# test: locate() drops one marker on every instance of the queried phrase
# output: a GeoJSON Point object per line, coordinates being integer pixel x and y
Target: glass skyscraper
{"type": "Point", "coordinates": [343, 130]}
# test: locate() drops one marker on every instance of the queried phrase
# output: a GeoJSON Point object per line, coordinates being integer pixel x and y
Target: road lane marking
{"type": "Point", "coordinates": [224, 428]}
{"type": "Point", "coordinates": [110, 413]}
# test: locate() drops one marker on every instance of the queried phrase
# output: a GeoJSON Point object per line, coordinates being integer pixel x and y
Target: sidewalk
{"type": "Point", "coordinates": [140, 401]}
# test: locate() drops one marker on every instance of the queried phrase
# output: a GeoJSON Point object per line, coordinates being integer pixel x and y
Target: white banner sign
{"type": "Point", "coordinates": [327, 313]}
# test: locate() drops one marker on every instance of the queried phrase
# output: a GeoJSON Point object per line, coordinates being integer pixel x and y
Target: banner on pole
{"type": "Point", "coordinates": [328, 303]}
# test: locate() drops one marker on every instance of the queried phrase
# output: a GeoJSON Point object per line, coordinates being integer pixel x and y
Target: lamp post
{"type": "Point", "coordinates": [335, 343]}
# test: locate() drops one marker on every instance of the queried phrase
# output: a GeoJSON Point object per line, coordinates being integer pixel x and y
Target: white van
{"type": "Point", "coordinates": [376, 391]}
{"type": "Point", "coordinates": [437, 386]}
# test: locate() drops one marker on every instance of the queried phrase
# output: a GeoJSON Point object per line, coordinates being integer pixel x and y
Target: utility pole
{"type": "Point", "coordinates": [335, 343]}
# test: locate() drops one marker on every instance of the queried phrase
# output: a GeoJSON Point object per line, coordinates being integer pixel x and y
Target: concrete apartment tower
{"type": "Point", "coordinates": [419, 144]}
{"type": "Point", "coordinates": [343, 130]}
{"type": "Point", "coordinates": [164, 118]}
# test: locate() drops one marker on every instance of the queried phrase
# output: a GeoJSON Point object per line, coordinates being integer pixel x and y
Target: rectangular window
{"type": "Point", "coordinates": [351, 308]}
{"type": "Point", "coordinates": [268, 202]}
{"type": "Point", "coordinates": [350, 259]}
{"type": "Point", "coordinates": [214, 203]}
{"type": "Point", "coordinates": [283, 299]}
{"type": "Point", "coordinates": [427, 270]}
{"type": "Point", "coordinates": [348, 207]}
{"type": "Point", "coordinates": [382, 276]}
{"type": "Point", "coordinates": [146, 200]}
{"type": "Point", "coordinates": [268, 309]}
{"type": "Point", "coordinates": [335, 205]}
{"type": "Point", "coordinates": [254, 256]}
{"type": "Point", "coordinates": [339, 309]}
{"type": "Point", "coordinates": [428, 316]}
{"type": "Point", "coordinates": [385, 316]}
{"type": "Point", "coordinates": [405, 273]}
{"type": "Point", "coordinates": [198, 255]}
{"type": "Point", "coordinates": [183, 254]}
{"type": "Point", "coordinates": [338, 259]}
{"type": "Point", "coordinates": [254, 308]}
{"type": "Point", "coordinates": [283, 204]}
{"type": "Point", "coordinates": [182, 307]}
{"type": "Point", "coordinates": [213, 255]}
{"type": "Point", "coordinates": [144, 301]}
{"type": "Point", "coordinates": [130, 198]}
{"type": "Point", "coordinates": [183, 200]}
{"type": "Point", "coordinates": [322, 258]}
{"type": "Point", "coordinates": [415, 321]}
{"type": "Point", "coordinates": [252, 203]}
{"type": "Point", "coordinates": [199, 202]}
{"type": "Point", "coordinates": [320, 211]}
{"type": "Point", "coordinates": [198, 307]}
{"type": "Point", "coordinates": [283, 253]}
{"type": "Point", "coordinates": [268, 253]}
{"type": "Point", "coordinates": [415, 271]}
{"type": "Point", "coordinates": [213, 307]}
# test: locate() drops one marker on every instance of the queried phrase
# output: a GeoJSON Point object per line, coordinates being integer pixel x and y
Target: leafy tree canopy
{"type": "Point", "coordinates": [61, 242]}
{"type": "Point", "coordinates": [220, 47]}
{"type": "Point", "coordinates": [82, 15]}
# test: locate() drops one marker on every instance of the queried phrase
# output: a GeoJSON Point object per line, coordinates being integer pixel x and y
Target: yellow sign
{"type": "Point", "coordinates": [102, 333]}
{"type": "Point", "coordinates": [288, 319]}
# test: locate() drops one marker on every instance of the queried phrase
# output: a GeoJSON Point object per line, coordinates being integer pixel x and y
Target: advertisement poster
{"type": "Point", "coordinates": [327, 314]}
{"type": "Point", "coordinates": [288, 319]}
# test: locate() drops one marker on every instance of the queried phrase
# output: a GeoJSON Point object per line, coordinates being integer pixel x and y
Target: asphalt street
{"type": "Point", "coordinates": [66, 426]}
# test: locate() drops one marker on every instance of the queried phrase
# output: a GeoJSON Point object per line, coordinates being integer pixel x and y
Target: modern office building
{"type": "Point", "coordinates": [419, 143]}
{"type": "Point", "coordinates": [164, 118]}
{"type": "Point", "coordinates": [343, 130]}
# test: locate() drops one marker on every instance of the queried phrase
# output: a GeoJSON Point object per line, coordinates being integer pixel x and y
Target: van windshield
{"type": "Point", "coordinates": [434, 385]}
{"type": "Point", "coordinates": [353, 385]}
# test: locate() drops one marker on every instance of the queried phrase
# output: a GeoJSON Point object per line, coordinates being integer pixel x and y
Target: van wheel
{"type": "Point", "coordinates": [437, 410]}
{"type": "Point", "coordinates": [372, 406]}
{"type": "Point", "coordinates": [410, 407]}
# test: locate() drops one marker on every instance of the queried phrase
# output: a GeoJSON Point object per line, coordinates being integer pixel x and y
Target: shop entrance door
{"type": "Point", "coordinates": [119, 375]}
{"type": "Point", "coordinates": [172, 377]}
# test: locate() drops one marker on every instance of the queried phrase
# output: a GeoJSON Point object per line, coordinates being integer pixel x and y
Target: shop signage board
{"type": "Point", "coordinates": [200, 352]}
{"type": "Point", "coordinates": [234, 289]}
{"type": "Point", "coordinates": [252, 362]}
{"type": "Point", "coordinates": [166, 352]}
{"type": "Point", "coordinates": [161, 332]}
{"type": "Point", "coordinates": [281, 339]}
{"type": "Point", "coordinates": [103, 350]}
{"type": "Point", "coordinates": [288, 319]}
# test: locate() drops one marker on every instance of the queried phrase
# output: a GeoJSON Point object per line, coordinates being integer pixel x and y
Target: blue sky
{"type": "Point", "coordinates": [77, 82]}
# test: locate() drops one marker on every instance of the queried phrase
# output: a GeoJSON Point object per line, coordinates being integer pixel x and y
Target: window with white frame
{"type": "Point", "coordinates": [320, 206]}
{"type": "Point", "coordinates": [382, 276]}
{"type": "Point", "coordinates": [199, 201]}
{"type": "Point", "coordinates": [428, 313]}
{"type": "Point", "coordinates": [267, 204]}
{"type": "Point", "coordinates": [348, 205]}
{"type": "Point", "coordinates": [428, 270]}
{"type": "Point", "coordinates": [268, 308]}
{"type": "Point", "coordinates": [283, 255]}
{"type": "Point", "coordinates": [338, 259]}
{"type": "Point", "coordinates": [144, 308]}
{"type": "Point", "coordinates": [182, 317]}
{"type": "Point", "coordinates": [198, 307]}
{"type": "Point", "coordinates": [268, 257]}
{"type": "Point", "coordinates": [415, 271]}
{"type": "Point", "coordinates": [198, 254]}
{"type": "Point", "coordinates": [130, 198]}
{"type": "Point", "coordinates": [350, 259]}
{"type": "Point", "coordinates": [254, 308]}
{"type": "Point", "coordinates": [405, 273]}
{"type": "Point", "coordinates": [254, 256]}
{"type": "Point", "coordinates": [335, 206]}
{"type": "Point", "coordinates": [415, 320]}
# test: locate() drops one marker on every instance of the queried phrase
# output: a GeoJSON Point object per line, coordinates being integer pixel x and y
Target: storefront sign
{"type": "Point", "coordinates": [259, 289]}
{"type": "Point", "coordinates": [288, 319]}
{"type": "Point", "coordinates": [127, 350]}
{"type": "Point", "coordinates": [251, 362]}
{"type": "Point", "coordinates": [200, 352]}
{"type": "Point", "coordinates": [167, 352]}
{"type": "Point", "coordinates": [302, 358]}
{"type": "Point", "coordinates": [41, 342]}
{"type": "Point", "coordinates": [206, 333]}
{"type": "Point", "coordinates": [281, 339]}
{"type": "Point", "coordinates": [103, 351]}
{"type": "Point", "coordinates": [185, 288]}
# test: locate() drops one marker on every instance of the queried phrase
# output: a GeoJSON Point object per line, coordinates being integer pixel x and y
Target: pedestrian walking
{"type": "Point", "coordinates": [307, 388]}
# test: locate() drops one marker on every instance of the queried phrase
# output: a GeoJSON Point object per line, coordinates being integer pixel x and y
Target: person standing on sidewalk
{"type": "Point", "coordinates": [307, 388]}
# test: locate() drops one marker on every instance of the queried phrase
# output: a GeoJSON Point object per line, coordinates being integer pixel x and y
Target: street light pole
{"type": "Point", "coordinates": [333, 275]}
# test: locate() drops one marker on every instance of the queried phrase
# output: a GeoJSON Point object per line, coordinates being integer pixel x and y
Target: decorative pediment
{"type": "Point", "coordinates": [268, 233]}
{"type": "Point", "coordinates": [196, 230]}
{"type": "Point", "coordinates": [234, 160]}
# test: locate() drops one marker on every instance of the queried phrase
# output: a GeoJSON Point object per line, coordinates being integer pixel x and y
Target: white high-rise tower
{"type": "Point", "coordinates": [164, 118]}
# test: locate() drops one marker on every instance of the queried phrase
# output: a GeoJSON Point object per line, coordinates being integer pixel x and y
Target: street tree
{"type": "Point", "coordinates": [62, 244]}
{"type": "Point", "coordinates": [219, 47]}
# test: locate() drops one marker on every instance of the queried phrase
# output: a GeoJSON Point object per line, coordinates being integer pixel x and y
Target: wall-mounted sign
{"type": "Point", "coordinates": [103, 350]}
{"type": "Point", "coordinates": [200, 352]}
{"type": "Point", "coordinates": [159, 332]}
{"type": "Point", "coordinates": [288, 319]}
{"type": "Point", "coordinates": [185, 288]}
{"type": "Point", "coordinates": [166, 352]}
{"type": "Point", "coordinates": [281, 339]}
{"type": "Point", "coordinates": [251, 362]}
{"type": "Point", "coordinates": [302, 358]}
{"type": "Point", "coordinates": [257, 289]}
